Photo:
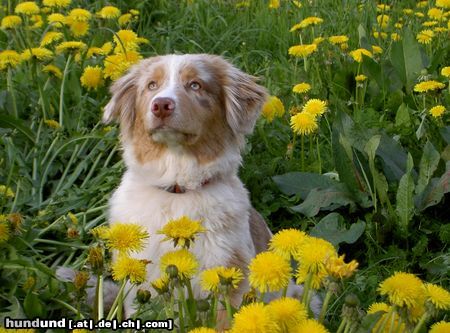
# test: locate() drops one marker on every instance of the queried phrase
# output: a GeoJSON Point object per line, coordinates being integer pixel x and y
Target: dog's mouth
{"type": "Point", "coordinates": [170, 135]}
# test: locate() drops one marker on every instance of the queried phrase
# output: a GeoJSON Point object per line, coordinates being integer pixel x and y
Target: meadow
{"type": "Point", "coordinates": [349, 162]}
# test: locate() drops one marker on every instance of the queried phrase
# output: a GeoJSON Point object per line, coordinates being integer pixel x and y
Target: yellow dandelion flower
{"type": "Point", "coordinates": [78, 28]}
{"type": "Point", "coordinates": [181, 231]}
{"type": "Point", "coordinates": [310, 326]}
{"type": "Point", "coordinates": [57, 3]}
{"type": "Point", "coordinates": [9, 59]}
{"type": "Point", "coordinates": [210, 279]}
{"type": "Point", "coordinates": [313, 253]}
{"type": "Point", "coordinates": [11, 22]}
{"type": "Point", "coordinates": [128, 40]}
{"type": "Point", "coordinates": [439, 30]}
{"type": "Point", "coordinates": [125, 237]}
{"type": "Point", "coordinates": [389, 323]}
{"type": "Point", "coordinates": [301, 88]}
{"type": "Point", "coordinates": [71, 46]}
{"type": "Point", "coordinates": [4, 232]}
{"type": "Point", "coordinates": [161, 285]}
{"type": "Point", "coordinates": [383, 20]}
{"type": "Point", "coordinates": [360, 78]}
{"type": "Point", "coordinates": [37, 21]}
{"type": "Point", "coordinates": [383, 8]}
{"type": "Point", "coordinates": [357, 54]}
{"type": "Point", "coordinates": [378, 34]}
{"type": "Point", "coordinates": [51, 37]}
{"type": "Point", "coordinates": [92, 77]}
{"type": "Point", "coordinates": [430, 23]}
{"type": "Point", "coordinates": [335, 40]}
{"type": "Point", "coordinates": [129, 268]}
{"type": "Point", "coordinates": [134, 12]}
{"type": "Point", "coordinates": [117, 64]}
{"type": "Point", "coordinates": [395, 37]}
{"type": "Point", "coordinates": [107, 48]}
{"type": "Point", "coordinates": [272, 108]}
{"type": "Point", "coordinates": [312, 20]}
{"type": "Point", "coordinates": [94, 51]}
{"type": "Point", "coordinates": [27, 8]}
{"type": "Point", "coordinates": [436, 13]}
{"type": "Point", "coordinates": [443, 3]}
{"type": "Point", "coordinates": [442, 326]}
{"type": "Point", "coordinates": [446, 71]}
{"type": "Point", "coordinates": [398, 25]}
{"type": "Point", "coordinates": [376, 49]}
{"type": "Point", "coordinates": [254, 318]}
{"type": "Point", "coordinates": [109, 12]}
{"type": "Point", "coordinates": [274, 4]}
{"type": "Point", "coordinates": [202, 330]}
{"type": "Point", "coordinates": [287, 312]}
{"type": "Point", "coordinates": [426, 86]}
{"type": "Point", "coordinates": [303, 123]}
{"type": "Point", "coordinates": [286, 242]}
{"type": "Point", "coordinates": [408, 11]}
{"type": "Point", "coordinates": [425, 36]}
{"type": "Point", "coordinates": [422, 4]}
{"type": "Point", "coordinates": [37, 53]}
{"type": "Point", "coordinates": [125, 19]}
{"type": "Point", "coordinates": [438, 296]}
{"type": "Point", "coordinates": [315, 107]}
{"type": "Point", "coordinates": [6, 191]}
{"type": "Point", "coordinates": [318, 40]}
{"type": "Point", "coordinates": [337, 268]}
{"type": "Point", "coordinates": [437, 111]}
{"type": "Point", "coordinates": [56, 19]}
{"type": "Point", "coordinates": [378, 307]}
{"type": "Point", "coordinates": [52, 69]}
{"type": "Point", "coordinates": [402, 289]}
{"type": "Point", "coordinates": [419, 14]}
{"type": "Point", "coordinates": [269, 272]}
{"type": "Point", "coordinates": [52, 123]}
{"type": "Point", "coordinates": [303, 50]}
{"type": "Point", "coordinates": [80, 14]}
{"type": "Point", "coordinates": [184, 260]}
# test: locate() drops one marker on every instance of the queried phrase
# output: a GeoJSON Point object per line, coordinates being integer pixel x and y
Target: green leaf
{"type": "Point", "coordinates": [405, 205]}
{"type": "Point", "coordinates": [428, 165]}
{"type": "Point", "coordinates": [332, 228]}
{"type": "Point", "coordinates": [301, 183]}
{"type": "Point", "coordinates": [326, 199]}
{"type": "Point", "coordinates": [434, 192]}
{"type": "Point", "coordinates": [407, 58]}
{"type": "Point", "coordinates": [402, 118]}
{"type": "Point", "coordinates": [369, 322]}
{"type": "Point", "coordinates": [33, 306]}
{"type": "Point", "coordinates": [7, 121]}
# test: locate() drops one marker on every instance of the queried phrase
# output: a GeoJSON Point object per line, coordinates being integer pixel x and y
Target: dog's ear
{"type": "Point", "coordinates": [121, 106]}
{"type": "Point", "coordinates": [244, 99]}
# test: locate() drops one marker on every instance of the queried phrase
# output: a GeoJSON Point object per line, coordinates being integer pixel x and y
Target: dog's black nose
{"type": "Point", "coordinates": [163, 107]}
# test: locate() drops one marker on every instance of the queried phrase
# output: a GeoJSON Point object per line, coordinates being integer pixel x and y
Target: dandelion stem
{"type": "Point", "coordinates": [307, 287]}
{"type": "Point", "coordinates": [302, 140]}
{"type": "Point", "coordinates": [319, 159]}
{"type": "Point", "coordinates": [113, 309]}
{"type": "Point", "coordinates": [100, 307]}
{"type": "Point", "coordinates": [422, 321]}
{"type": "Point", "coordinates": [215, 302]}
{"type": "Point", "coordinates": [181, 304]}
{"type": "Point", "coordinates": [120, 301]}
{"type": "Point", "coordinates": [325, 304]}
{"type": "Point", "coordinates": [342, 325]}
{"type": "Point", "coordinates": [61, 94]}
{"type": "Point", "coordinates": [228, 307]}
{"type": "Point", "coordinates": [41, 92]}
{"type": "Point", "coordinates": [10, 85]}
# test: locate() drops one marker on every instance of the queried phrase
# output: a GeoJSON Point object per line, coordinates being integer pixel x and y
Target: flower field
{"type": "Point", "coordinates": [349, 163]}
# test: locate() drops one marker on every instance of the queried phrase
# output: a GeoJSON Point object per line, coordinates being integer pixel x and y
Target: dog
{"type": "Point", "coordinates": [183, 121]}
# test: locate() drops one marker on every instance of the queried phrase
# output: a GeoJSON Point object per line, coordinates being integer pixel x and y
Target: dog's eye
{"type": "Point", "coordinates": [153, 85]}
{"type": "Point", "coordinates": [195, 85]}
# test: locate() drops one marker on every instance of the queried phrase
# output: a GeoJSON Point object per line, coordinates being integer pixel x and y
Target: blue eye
{"type": "Point", "coordinates": [195, 85]}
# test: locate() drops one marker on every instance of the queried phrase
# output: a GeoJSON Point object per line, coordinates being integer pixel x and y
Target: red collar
{"type": "Point", "coordinates": [181, 189]}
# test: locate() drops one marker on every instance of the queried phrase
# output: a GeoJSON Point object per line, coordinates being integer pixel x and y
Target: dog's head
{"type": "Point", "coordinates": [199, 103]}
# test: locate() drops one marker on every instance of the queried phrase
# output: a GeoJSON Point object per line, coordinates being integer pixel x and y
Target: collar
{"type": "Point", "coordinates": [176, 188]}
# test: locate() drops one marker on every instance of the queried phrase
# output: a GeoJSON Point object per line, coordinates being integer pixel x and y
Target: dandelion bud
{"type": "Point", "coordinates": [95, 258]}
{"type": "Point", "coordinates": [172, 271]}
{"type": "Point", "coordinates": [80, 280]}
{"type": "Point", "coordinates": [143, 296]}
{"type": "Point", "coordinates": [15, 220]}
{"type": "Point", "coordinates": [202, 305]}
{"type": "Point", "coordinates": [72, 233]}
{"type": "Point", "coordinates": [249, 297]}
{"type": "Point", "coordinates": [29, 283]}
{"type": "Point", "coordinates": [352, 300]}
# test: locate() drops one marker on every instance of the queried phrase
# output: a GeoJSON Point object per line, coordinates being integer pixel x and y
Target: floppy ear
{"type": "Point", "coordinates": [122, 103]}
{"type": "Point", "coordinates": [243, 100]}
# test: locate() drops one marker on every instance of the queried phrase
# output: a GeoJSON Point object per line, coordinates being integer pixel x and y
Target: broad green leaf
{"type": "Point", "coordinates": [326, 199]}
{"type": "Point", "coordinates": [371, 148]}
{"type": "Point", "coordinates": [393, 157]}
{"type": "Point", "coordinates": [434, 192]}
{"type": "Point", "coordinates": [7, 121]}
{"type": "Point", "coordinates": [405, 205]}
{"type": "Point", "coordinates": [33, 306]}
{"type": "Point", "coordinates": [445, 133]}
{"type": "Point", "coordinates": [407, 59]}
{"type": "Point", "coordinates": [402, 118]}
{"type": "Point", "coordinates": [428, 165]}
{"type": "Point", "coordinates": [301, 183]}
{"type": "Point", "coordinates": [421, 130]}
{"type": "Point", "coordinates": [332, 228]}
